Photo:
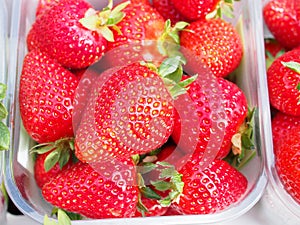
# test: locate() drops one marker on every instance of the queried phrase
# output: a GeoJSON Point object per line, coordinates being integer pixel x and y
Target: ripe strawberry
{"type": "Point", "coordinates": [287, 158]}
{"type": "Point", "coordinates": [44, 5]}
{"type": "Point", "coordinates": [103, 190]}
{"type": "Point", "coordinates": [281, 124]}
{"type": "Point", "coordinates": [229, 115]}
{"type": "Point", "coordinates": [64, 35]}
{"type": "Point", "coordinates": [210, 190]}
{"type": "Point", "coordinates": [46, 98]}
{"type": "Point", "coordinates": [195, 10]}
{"type": "Point", "coordinates": [215, 43]}
{"type": "Point", "coordinates": [272, 51]}
{"type": "Point", "coordinates": [129, 112]}
{"type": "Point", "coordinates": [167, 10]}
{"type": "Point", "coordinates": [283, 81]}
{"type": "Point", "coordinates": [44, 170]}
{"type": "Point", "coordinates": [141, 22]}
{"type": "Point", "coordinates": [282, 19]}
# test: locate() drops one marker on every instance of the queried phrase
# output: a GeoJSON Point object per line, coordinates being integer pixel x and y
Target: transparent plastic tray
{"type": "Point", "coordinates": [19, 166]}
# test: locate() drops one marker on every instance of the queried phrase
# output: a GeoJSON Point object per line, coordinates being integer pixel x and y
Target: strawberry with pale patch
{"type": "Point", "coordinates": [215, 43]}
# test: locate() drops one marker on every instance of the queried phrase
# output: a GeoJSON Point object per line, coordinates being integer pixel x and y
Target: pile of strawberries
{"type": "Point", "coordinates": [283, 76]}
{"type": "Point", "coordinates": [133, 110]}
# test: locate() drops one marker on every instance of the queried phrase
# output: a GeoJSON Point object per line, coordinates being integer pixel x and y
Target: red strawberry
{"type": "Point", "coordinates": [210, 190]}
{"type": "Point", "coordinates": [42, 172]}
{"type": "Point", "coordinates": [167, 10]}
{"type": "Point", "coordinates": [281, 124]}
{"type": "Point", "coordinates": [215, 43]}
{"type": "Point", "coordinates": [44, 5]}
{"type": "Point", "coordinates": [141, 22]}
{"type": "Point", "coordinates": [287, 159]}
{"type": "Point", "coordinates": [283, 81]}
{"type": "Point", "coordinates": [103, 190]}
{"type": "Point", "coordinates": [282, 19]}
{"type": "Point", "coordinates": [62, 34]}
{"type": "Point", "coordinates": [272, 51]}
{"type": "Point", "coordinates": [129, 112]}
{"type": "Point", "coordinates": [46, 98]}
{"type": "Point", "coordinates": [229, 115]}
{"type": "Point", "coordinates": [195, 10]}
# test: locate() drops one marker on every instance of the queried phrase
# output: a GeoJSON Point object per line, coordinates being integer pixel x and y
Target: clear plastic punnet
{"type": "Point", "coordinates": [3, 80]}
{"type": "Point", "coordinates": [276, 205]}
{"type": "Point", "coordinates": [19, 178]}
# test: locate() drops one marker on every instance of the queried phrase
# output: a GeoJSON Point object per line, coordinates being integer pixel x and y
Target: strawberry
{"type": "Point", "coordinates": [141, 22]}
{"type": "Point", "coordinates": [215, 43]}
{"type": "Point", "coordinates": [167, 10]}
{"type": "Point", "coordinates": [282, 19]}
{"type": "Point", "coordinates": [210, 190]}
{"type": "Point", "coordinates": [101, 190]}
{"type": "Point", "coordinates": [231, 111]}
{"type": "Point", "coordinates": [130, 111]}
{"type": "Point", "coordinates": [281, 124]}
{"type": "Point", "coordinates": [195, 10]}
{"type": "Point", "coordinates": [283, 79]}
{"type": "Point", "coordinates": [46, 98]}
{"type": "Point", "coordinates": [44, 170]}
{"type": "Point", "coordinates": [44, 5]}
{"type": "Point", "coordinates": [64, 34]}
{"type": "Point", "coordinates": [287, 158]}
{"type": "Point", "coordinates": [272, 51]}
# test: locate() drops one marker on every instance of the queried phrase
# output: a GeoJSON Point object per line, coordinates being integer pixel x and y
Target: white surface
{"type": "Point", "coordinates": [251, 218]}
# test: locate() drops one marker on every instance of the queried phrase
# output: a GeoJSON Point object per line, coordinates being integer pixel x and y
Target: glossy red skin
{"type": "Point", "coordinates": [282, 84]}
{"type": "Point", "coordinates": [44, 5]}
{"type": "Point", "coordinates": [141, 22]}
{"type": "Point", "coordinates": [281, 125]}
{"type": "Point", "coordinates": [234, 106]}
{"type": "Point", "coordinates": [273, 47]}
{"type": "Point", "coordinates": [46, 98]}
{"type": "Point", "coordinates": [287, 158]}
{"type": "Point", "coordinates": [105, 190]}
{"type": "Point", "coordinates": [168, 11]}
{"type": "Point", "coordinates": [282, 18]}
{"type": "Point", "coordinates": [41, 176]}
{"type": "Point", "coordinates": [59, 34]}
{"type": "Point", "coordinates": [195, 10]}
{"type": "Point", "coordinates": [129, 112]}
{"type": "Point", "coordinates": [215, 188]}
{"type": "Point", "coordinates": [215, 43]}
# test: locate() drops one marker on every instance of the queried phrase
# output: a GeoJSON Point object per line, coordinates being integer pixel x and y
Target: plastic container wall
{"type": "Point", "coordinates": [19, 165]}
{"type": "Point", "coordinates": [3, 79]}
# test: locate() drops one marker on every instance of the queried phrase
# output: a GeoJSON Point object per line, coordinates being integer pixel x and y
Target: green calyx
{"type": "Point", "coordinates": [169, 41]}
{"type": "Point", "coordinates": [171, 71]}
{"type": "Point", "coordinates": [4, 131]}
{"type": "Point", "coordinates": [60, 152]}
{"type": "Point", "coordinates": [103, 21]}
{"type": "Point", "coordinates": [169, 181]}
{"type": "Point", "coordinates": [225, 8]}
{"type": "Point", "coordinates": [63, 217]}
{"type": "Point", "coordinates": [243, 147]}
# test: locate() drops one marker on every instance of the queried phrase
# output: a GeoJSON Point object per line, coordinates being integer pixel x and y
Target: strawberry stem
{"type": "Point", "coordinates": [4, 132]}
{"type": "Point", "coordinates": [101, 22]}
{"type": "Point", "coordinates": [243, 147]}
{"type": "Point", "coordinates": [60, 152]}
